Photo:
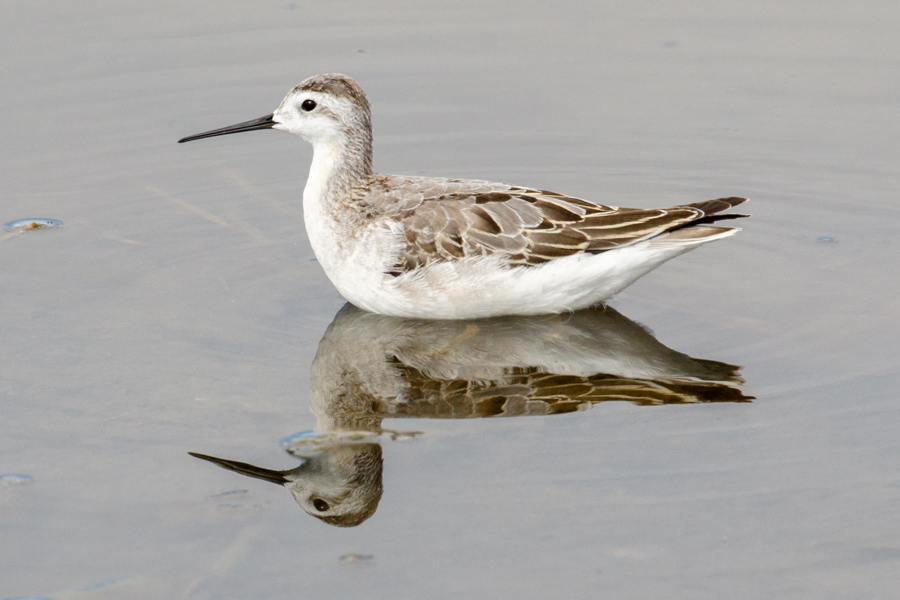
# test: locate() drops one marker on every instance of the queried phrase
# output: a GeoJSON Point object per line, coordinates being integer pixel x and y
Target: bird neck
{"type": "Point", "coordinates": [339, 164]}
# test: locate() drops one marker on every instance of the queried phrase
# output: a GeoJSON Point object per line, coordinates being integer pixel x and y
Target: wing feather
{"type": "Point", "coordinates": [450, 219]}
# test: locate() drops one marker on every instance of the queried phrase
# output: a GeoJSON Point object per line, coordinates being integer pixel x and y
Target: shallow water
{"type": "Point", "coordinates": [178, 308]}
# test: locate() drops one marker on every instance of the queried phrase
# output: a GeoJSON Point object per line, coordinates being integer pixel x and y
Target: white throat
{"type": "Point", "coordinates": [326, 162]}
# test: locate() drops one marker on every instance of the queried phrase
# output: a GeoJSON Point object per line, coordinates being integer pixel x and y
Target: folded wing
{"type": "Point", "coordinates": [451, 219]}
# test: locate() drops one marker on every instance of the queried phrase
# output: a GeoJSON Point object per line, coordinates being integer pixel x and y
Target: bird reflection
{"type": "Point", "coordinates": [370, 367]}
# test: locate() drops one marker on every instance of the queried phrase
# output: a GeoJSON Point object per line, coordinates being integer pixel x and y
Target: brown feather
{"type": "Point", "coordinates": [450, 219]}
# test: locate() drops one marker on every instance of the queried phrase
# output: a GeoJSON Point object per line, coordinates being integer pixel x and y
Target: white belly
{"type": "Point", "coordinates": [481, 286]}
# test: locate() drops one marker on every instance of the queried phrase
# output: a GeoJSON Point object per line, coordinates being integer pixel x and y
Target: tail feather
{"type": "Point", "coordinates": [691, 235]}
{"type": "Point", "coordinates": [714, 218]}
{"type": "Point", "coordinates": [710, 207]}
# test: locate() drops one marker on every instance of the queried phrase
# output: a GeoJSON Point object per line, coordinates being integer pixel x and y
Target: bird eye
{"type": "Point", "coordinates": [320, 504]}
{"type": "Point", "coordinates": [308, 105]}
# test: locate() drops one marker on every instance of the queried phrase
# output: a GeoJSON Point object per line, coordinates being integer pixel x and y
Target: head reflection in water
{"type": "Point", "coordinates": [370, 367]}
{"type": "Point", "coordinates": [339, 483]}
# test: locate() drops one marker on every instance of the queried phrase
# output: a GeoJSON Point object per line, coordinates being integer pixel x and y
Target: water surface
{"type": "Point", "coordinates": [179, 308]}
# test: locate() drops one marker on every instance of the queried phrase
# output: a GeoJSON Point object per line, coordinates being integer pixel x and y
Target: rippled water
{"type": "Point", "coordinates": [178, 308]}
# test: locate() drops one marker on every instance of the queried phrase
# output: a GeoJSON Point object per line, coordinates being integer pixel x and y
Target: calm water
{"type": "Point", "coordinates": [179, 309]}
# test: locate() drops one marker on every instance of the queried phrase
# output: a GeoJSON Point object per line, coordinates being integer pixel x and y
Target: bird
{"type": "Point", "coordinates": [441, 248]}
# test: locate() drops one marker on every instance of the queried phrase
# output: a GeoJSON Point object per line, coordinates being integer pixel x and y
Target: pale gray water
{"type": "Point", "coordinates": [178, 309]}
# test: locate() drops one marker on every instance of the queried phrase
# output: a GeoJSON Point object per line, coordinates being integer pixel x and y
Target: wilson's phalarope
{"type": "Point", "coordinates": [451, 248]}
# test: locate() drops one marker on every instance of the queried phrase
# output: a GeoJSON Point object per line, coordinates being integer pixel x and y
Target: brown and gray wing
{"type": "Point", "coordinates": [529, 227]}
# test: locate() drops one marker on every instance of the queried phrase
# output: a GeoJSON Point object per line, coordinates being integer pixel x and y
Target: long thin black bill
{"type": "Point", "coordinates": [244, 468]}
{"type": "Point", "coordinates": [265, 122]}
